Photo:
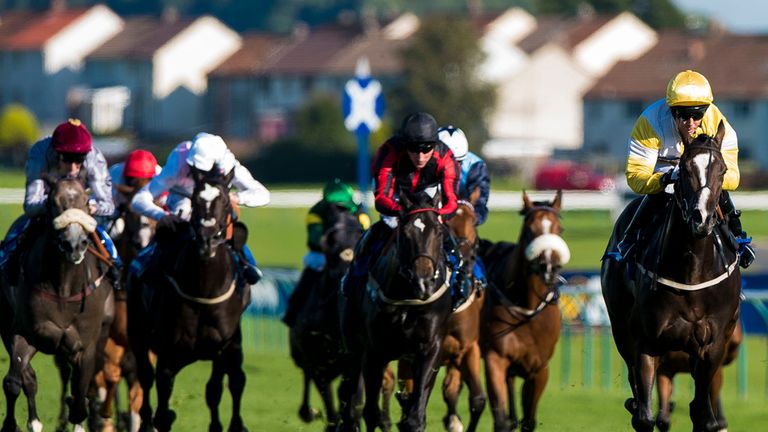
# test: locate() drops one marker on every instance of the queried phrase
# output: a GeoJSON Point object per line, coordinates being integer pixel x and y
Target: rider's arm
{"type": "Point", "coordinates": [384, 176]}
{"type": "Point", "coordinates": [644, 145]}
{"type": "Point", "coordinates": [478, 178]}
{"type": "Point", "coordinates": [448, 169]}
{"type": "Point", "coordinates": [100, 183]}
{"type": "Point", "coordinates": [35, 193]}
{"type": "Point", "coordinates": [143, 201]}
{"type": "Point", "coordinates": [250, 192]}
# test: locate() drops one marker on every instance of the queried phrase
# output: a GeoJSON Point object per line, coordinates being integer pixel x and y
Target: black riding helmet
{"type": "Point", "coordinates": [419, 127]}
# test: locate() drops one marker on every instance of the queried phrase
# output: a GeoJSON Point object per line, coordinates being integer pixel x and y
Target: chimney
{"type": "Point", "coordinates": [170, 14]}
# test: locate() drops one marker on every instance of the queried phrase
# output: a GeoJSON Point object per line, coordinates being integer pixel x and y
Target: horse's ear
{"type": "Point", "coordinates": [720, 134]}
{"type": "Point", "coordinates": [558, 199]}
{"type": "Point", "coordinates": [474, 196]}
{"type": "Point", "coordinates": [197, 175]}
{"type": "Point", "coordinates": [228, 178]}
{"type": "Point", "coordinates": [434, 201]}
{"type": "Point", "coordinates": [49, 179]}
{"type": "Point", "coordinates": [405, 201]}
{"type": "Point", "coordinates": [526, 201]}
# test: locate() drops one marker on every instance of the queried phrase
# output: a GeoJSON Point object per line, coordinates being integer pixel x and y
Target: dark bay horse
{"type": "Point", "coordinates": [520, 324]}
{"type": "Point", "coordinates": [682, 293]}
{"type": "Point", "coordinates": [676, 362]}
{"type": "Point", "coordinates": [460, 350]}
{"type": "Point", "coordinates": [61, 306]}
{"type": "Point", "coordinates": [315, 340]}
{"type": "Point", "coordinates": [194, 313]}
{"type": "Point", "coordinates": [401, 315]}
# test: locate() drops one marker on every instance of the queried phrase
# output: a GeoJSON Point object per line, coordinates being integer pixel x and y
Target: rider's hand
{"type": "Point", "coordinates": [233, 200]}
{"type": "Point", "coordinates": [669, 177]}
{"type": "Point", "coordinates": [170, 221]}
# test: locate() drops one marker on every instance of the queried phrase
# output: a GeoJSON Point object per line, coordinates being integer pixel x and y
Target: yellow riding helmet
{"type": "Point", "coordinates": [689, 88]}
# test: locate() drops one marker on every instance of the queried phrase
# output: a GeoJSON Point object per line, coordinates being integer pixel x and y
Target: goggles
{"type": "Point", "coordinates": [72, 158]}
{"type": "Point", "coordinates": [693, 112]}
{"type": "Point", "coordinates": [420, 147]}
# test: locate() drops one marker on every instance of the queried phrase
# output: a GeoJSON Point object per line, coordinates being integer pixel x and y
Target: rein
{"type": "Point", "coordinates": [203, 300]}
{"type": "Point", "coordinates": [408, 302]}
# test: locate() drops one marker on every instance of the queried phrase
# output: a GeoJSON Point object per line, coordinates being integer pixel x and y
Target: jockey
{"type": "Point", "coordinates": [68, 151]}
{"type": "Point", "coordinates": [655, 147]}
{"type": "Point", "coordinates": [474, 175]}
{"type": "Point", "coordinates": [136, 171]}
{"type": "Point", "coordinates": [414, 160]}
{"type": "Point", "coordinates": [337, 196]}
{"type": "Point", "coordinates": [202, 153]}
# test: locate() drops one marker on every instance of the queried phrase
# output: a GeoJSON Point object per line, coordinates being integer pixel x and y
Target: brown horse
{"type": "Point", "coordinates": [680, 362]}
{"type": "Point", "coordinates": [401, 314]}
{"type": "Point", "coordinates": [195, 307]}
{"type": "Point", "coordinates": [520, 324]}
{"type": "Point", "coordinates": [59, 308]}
{"type": "Point", "coordinates": [681, 293]}
{"type": "Point", "coordinates": [315, 340]}
{"type": "Point", "coordinates": [131, 233]}
{"type": "Point", "coordinates": [460, 350]}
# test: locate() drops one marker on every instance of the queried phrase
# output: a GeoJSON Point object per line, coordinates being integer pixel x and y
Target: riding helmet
{"type": "Point", "coordinates": [419, 127]}
{"type": "Point", "coordinates": [140, 164]}
{"type": "Point", "coordinates": [455, 139]}
{"type": "Point", "coordinates": [689, 88]}
{"type": "Point", "coordinates": [72, 137]}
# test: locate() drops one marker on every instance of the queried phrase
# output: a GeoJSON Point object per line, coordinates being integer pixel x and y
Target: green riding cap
{"type": "Point", "coordinates": [339, 193]}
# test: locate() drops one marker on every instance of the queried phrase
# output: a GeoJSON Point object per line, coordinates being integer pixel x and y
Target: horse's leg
{"type": "Point", "coordinates": [471, 372]}
{"type": "Point", "coordinates": [645, 371]}
{"type": "Point", "coordinates": [65, 373]}
{"type": "Point", "coordinates": [533, 388]}
{"type": "Point", "coordinates": [512, 400]}
{"type": "Point", "coordinates": [664, 391]}
{"type": "Point", "coordinates": [350, 395]}
{"type": "Point", "coordinates": [82, 375]}
{"type": "Point", "coordinates": [20, 355]}
{"type": "Point", "coordinates": [213, 391]}
{"type": "Point", "coordinates": [323, 385]}
{"type": "Point", "coordinates": [425, 366]}
{"type": "Point", "coordinates": [373, 372]}
{"type": "Point", "coordinates": [146, 380]}
{"type": "Point", "coordinates": [404, 383]}
{"type": "Point", "coordinates": [451, 389]}
{"type": "Point", "coordinates": [717, 406]}
{"type": "Point", "coordinates": [703, 372]}
{"type": "Point", "coordinates": [306, 413]}
{"type": "Point", "coordinates": [167, 368]}
{"type": "Point", "coordinates": [112, 373]}
{"type": "Point", "coordinates": [496, 383]}
{"type": "Point", "coordinates": [387, 390]}
{"type": "Point", "coordinates": [233, 362]}
{"type": "Point", "coordinates": [29, 386]}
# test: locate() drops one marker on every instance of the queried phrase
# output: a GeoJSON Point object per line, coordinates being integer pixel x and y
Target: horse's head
{"type": "Point", "coordinates": [339, 241]}
{"type": "Point", "coordinates": [463, 226]}
{"type": "Point", "coordinates": [698, 188]}
{"type": "Point", "coordinates": [67, 209]}
{"type": "Point", "coordinates": [211, 209]}
{"type": "Point", "coordinates": [420, 243]}
{"type": "Point", "coordinates": [545, 251]}
{"type": "Point", "coordinates": [136, 230]}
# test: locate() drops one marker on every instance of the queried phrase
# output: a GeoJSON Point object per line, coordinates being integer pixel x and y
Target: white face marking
{"type": "Point", "coordinates": [701, 162]}
{"type": "Point", "coordinates": [209, 194]}
{"type": "Point", "coordinates": [208, 222]}
{"type": "Point", "coordinates": [546, 226]}
{"type": "Point", "coordinates": [419, 224]}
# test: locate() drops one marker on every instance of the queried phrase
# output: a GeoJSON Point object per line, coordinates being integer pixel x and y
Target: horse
{"type": "Point", "coordinates": [196, 302]}
{"type": "Point", "coordinates": [520, 322]}
{"type": "Point", "coordinates": [60, 308]}
{"type": "Point", "coordinates": [676, 362]}
{"type": "Point", "coordinates": [131, 232]}
{"type": "Point", "coordinates": [681, 293]}
{"type": "Point", "coordinates": [460, 350]}
{"type": "Point", "coordinates": [402, 314]}
{"type": "Point", "coordinates": [315, 340]}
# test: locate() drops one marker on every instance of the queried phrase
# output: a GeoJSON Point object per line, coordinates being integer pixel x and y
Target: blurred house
{"type": "Point", "coordinates": [163, 64]}
{"type": "Point", "coordinates": [556, 60]}
{"type": "Point", "coordinates": [42, 55]}
{"type": "Point", "coordinates": [735, 66]}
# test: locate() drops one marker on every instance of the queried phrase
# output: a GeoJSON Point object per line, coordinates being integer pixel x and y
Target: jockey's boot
{"type": "Point", "coordinates": [478, 271]}
{"type": "Point", "coordinates": [626, 247]}
{"type": "Point", "coordinates": [113, 273]}
{"type": "Point", "coordinates": [300, 295]}
{"type": "Point", "coordinates": [460, 288]}
{"type": "Point", "coordinates": [733, 216]}
{"type": "Point", "coordinates": [251, 274]}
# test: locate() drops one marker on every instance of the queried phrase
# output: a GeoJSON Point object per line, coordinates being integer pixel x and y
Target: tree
{"type": "Point", "coordinates": [656, 13]}
{"type": "Point", "coordinates": [440, 70]}
{"type": "Point", "coordinates": [320, 126]}
{"type": "Point", "coordinates": [18, 131]}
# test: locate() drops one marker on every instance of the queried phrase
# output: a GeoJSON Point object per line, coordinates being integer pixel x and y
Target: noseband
{"type": "Point", "coordinates": [686, 209]}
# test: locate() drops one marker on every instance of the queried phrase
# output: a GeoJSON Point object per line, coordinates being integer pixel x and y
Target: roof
{"type": "Point", "coordinates": [141, 37]}
{"type": "Point", "coordinates": [25, 30]}
{"type": "Point", "coordinates": [735, 65]}
{"type": "Point", "coordinates": [311, 53]}
{"type": "Point", "coordinates": [257, 52]}
{"type": "Point", "coordinates": [568, 32]}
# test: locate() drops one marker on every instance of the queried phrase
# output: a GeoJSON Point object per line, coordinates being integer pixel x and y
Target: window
{"type": "Point", "coordinates": [741, 109]}
{"type": "Point", "coordinates": [633, 108]}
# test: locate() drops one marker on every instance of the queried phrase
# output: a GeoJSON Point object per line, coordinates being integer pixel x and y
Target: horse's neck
{"type": "Point", "coordinates": [209, 272]}
{"type": "Point", "coordinates": [682, 252]}
{"type": "Point", "coordinates": [64, 277]}
{"type": "Point", "coordinates": [518, 278]}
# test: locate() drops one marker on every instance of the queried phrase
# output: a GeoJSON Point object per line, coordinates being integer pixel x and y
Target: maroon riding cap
{"type": "Point", "coordinates": [72, 137]}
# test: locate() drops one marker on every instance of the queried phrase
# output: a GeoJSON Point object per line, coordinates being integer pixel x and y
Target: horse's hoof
{"type": "Point", "coordinates": [452, 423]}
{"type": "Point", "coordinates": [630, 405]}
{"type": "Point", "coordinates": [107, 425]}
{"type": "Point", "coordinates": [35, 426]}
{"type": "Point", "coordinates": [308, 414]}
{"type": "Point", "coordinates": [402, 399]}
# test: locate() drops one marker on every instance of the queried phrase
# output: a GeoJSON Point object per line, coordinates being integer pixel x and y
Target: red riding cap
{"type": "Point", "coordinates": [140, 164]}
{"type": "Point", "coordinates": [72, 137]}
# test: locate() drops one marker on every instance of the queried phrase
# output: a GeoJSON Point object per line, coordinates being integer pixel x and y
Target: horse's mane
{"type": "Point", "coordinates": [536, 204]}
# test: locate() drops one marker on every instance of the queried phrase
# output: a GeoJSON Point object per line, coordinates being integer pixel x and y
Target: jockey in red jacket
{"type": "Point", "coordinates": [412, 161]}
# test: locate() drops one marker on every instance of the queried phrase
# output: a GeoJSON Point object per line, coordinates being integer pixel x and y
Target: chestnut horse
{"type": "Point", "coordinates": [520, 324]}
{"type": "Point", "coordinates": [678, 361]}
{"type": "Point", "coordinates": [681, 292]}
{"type": "Point", "coordinates": [402, 314]}
{"type": "Point", "coordinates": [315, 340]}
{"type": "Point", "coordinates": [195, 307]}
{"type": "Point", "coordinates": [460, 350]}
{"type": "Point", "coordinates": [61, 306]}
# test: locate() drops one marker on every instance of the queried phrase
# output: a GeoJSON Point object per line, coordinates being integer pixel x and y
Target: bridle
{"type": "Point", "coordinates": [408, 272]}
{"type": "Point", "coordinates": [686, 209]}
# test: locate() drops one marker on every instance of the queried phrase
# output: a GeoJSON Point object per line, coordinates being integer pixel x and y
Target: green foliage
{"type": "Point", "coordinates": [18, 126]}
{"type": "Point", "coordinates": [655, 13]}
{"type": "Point", "coordinates": [320, 127]}
{"type": "Point", "coordinates": [659, 13]}
{"type": "Point", "coordinates": [441, 78]}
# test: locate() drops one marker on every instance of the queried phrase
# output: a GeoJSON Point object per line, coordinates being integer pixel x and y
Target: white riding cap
{"type": "Point", "coordinates": [455, 139]}
{"type": "Point", "coordinates": [207, 150]}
